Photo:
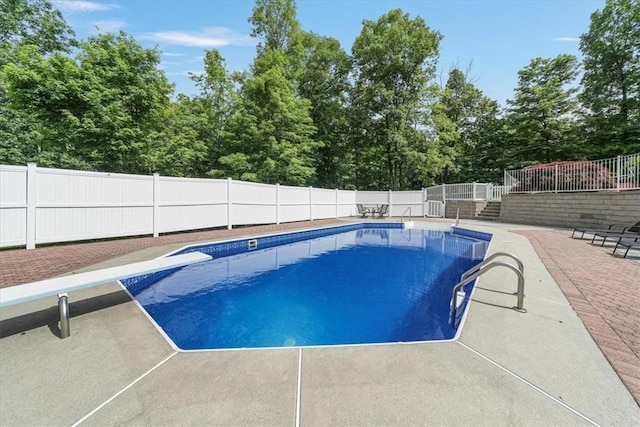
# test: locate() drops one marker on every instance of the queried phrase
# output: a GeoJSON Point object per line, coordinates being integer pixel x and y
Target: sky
{"type": "Point", "coordinates": [493, 39]}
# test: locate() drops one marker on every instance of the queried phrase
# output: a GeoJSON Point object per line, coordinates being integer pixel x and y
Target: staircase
{"type": "Point", "coordinates": [491, 212]}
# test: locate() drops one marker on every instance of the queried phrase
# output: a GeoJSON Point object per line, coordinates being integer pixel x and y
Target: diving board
{"type": "Point", "coordinates": [62, 285]}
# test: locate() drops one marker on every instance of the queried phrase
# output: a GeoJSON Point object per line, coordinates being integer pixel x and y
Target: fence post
{"type": "Point", "coordinates": [277, 203]}
{"type": "Point", "coordinates": [337, 204]}
{"type": "Point", "coordinates": [389, 202]}
{"type": "Point", "coordinates": [31, 205]}
{"type": "Point", "coordinates": [229, 222]}
{"type": "Point", "coordinates": [355, 198]}
{"type": "Point", "coordinates": [474, 191]}
{"type": "Point", "coordinates": [310, 203]}
{"type": "Point", "coordinates": [556, 179]}
{"type": "Point", "coordinates": [424, 202]}
{"type": "Point", "coordinates": [444, 192]}
{"type": "Point", "coordinates": [156, 202]}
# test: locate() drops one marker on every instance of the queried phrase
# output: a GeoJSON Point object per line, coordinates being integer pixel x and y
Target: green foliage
{"type": "Point", "coordinates": [33, 22]}
{"type": "Point", "coordinates": [324, 82]}
{"type": "Point", "coordinates": [99, 108]}
{"type": "Point", "coordinates": [541, 115]}
{"type": "Point", "coordinates": [307, 113]}
{"type": "Point", "coordinates": [394, 58]}
{"type": "Point", "coordinates": [611, 79]}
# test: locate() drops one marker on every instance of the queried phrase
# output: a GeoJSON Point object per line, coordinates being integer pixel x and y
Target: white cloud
{"type": "Point", "coordinates": [109, 26]}
{"type": "Point", "coordinates": [208, 37]}
{"type": "Point", "coordinates": [566, 39]}
{"type": "Point", "coordinates": [172, 54]}
{"type": "Point", "coordinates": [83, 6]}
{"type": "Point", "coordinates": [186, 73]}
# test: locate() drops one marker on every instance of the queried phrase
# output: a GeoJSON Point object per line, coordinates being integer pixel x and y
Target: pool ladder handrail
{"type": "Point", "coordinates": [405, 211]}
{"type": "Point", "coordinates": [477, 271]}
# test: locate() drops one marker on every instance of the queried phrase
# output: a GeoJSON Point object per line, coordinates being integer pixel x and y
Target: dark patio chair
{"type": "Point", "coordinates": [633, 232]}
{"type": "Point", "coordinates": [362, 211]}
{"type": "Point", "coordinates": [628, 243]}
{"type": "Point", "coordinates": [382, 211]}
{"type": "Point", "coordinates": [613, 228]}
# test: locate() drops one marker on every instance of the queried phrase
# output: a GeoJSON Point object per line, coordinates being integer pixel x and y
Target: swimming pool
{"type": "Point", "coordinates": [355, 284]}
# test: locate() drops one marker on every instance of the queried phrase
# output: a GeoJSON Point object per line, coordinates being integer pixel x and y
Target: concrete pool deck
{"type": "Point", "coordinates": [507, 368]}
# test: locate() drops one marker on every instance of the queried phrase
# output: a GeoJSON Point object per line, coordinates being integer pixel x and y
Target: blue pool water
{"type": "Point", "coordinates": [369, 285]}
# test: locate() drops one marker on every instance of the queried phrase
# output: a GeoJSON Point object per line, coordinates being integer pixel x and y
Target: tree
{"type": "Point", "coordinates": [611, 79]}
{"type": "Point", "coordinates": [271, 131]}
{"type": "Point", "coordinates": [26, 22]}
{"type": "Point", "coordinates": [324, 82]}
{"type": "Point", "coordinates": [394, 59]}
{"type": "Point", "coordinates": [33, 22]}
{"type": "Point", "coordinates": [543, 110]}
{"type": "Point", "coordinates": [276, 25]}
{"type": "Point", "coordinates": [99, 108]}
{"type": "Point", "coordinates": [471, 114]}
{"type": "Point", "coordinates": [211, 109]}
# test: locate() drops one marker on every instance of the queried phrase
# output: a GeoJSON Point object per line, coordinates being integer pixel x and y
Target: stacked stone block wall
{"type": "Point", "coordinates": [468, 209]}
{"type": "Point", "coordinates": [572, 209]}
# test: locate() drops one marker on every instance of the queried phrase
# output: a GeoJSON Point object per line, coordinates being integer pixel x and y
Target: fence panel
{"type": "Point", "coordinates": [403, 202]}
{"type": "Point", "coordinates": [77, 205]}
{"type": "Point", "coordinates": [190, 203]}
{"type": "Point", "coordinates": [372, 197]}
{"type": "Point", "coordinates": [13, 205]}
{"type": "Point", "coordinates": [346, 203]}
{"type": "Point", "coordinates": [324, 203]}
{"type": "Point", "coordinates": [252, 203]}
{"type": "Point", "coordinates": [294, 203]}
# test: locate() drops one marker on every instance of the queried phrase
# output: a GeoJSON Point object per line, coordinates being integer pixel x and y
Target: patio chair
{"type": "Point", "coordinates": [362, 211]}
{"type": "Point", "coordinates": [632, 232]}
{"type": "Point", "coordinates": [628, 243]}
{"type": "Point", "coordinates": [382, 211]}
{"type": "Point", "coordinates": [613, 228]}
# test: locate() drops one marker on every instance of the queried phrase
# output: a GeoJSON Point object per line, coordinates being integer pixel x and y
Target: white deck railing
{"type": "Point", "coordinates": [614, 174]}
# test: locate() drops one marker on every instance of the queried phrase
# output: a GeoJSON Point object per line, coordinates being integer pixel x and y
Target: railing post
{"type": "Point", "coordinates": [32, 179]}
{"type": "Point", "coordinates": [618, 172]}
{"type": "Point", "coordinates": [555, 174]}
{"type": "Point", "coordinates": [156, 202]}
{"type": "Point", "coordinates": [229, 222]}
{"type": "Point", "coordinates": [277, 203]}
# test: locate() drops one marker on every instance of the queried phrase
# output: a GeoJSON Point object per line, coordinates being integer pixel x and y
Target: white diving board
{"type": "Point", "coordinates": [61, 285]}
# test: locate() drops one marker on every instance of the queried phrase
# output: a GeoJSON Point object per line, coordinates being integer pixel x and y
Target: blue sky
{"type": "Point", "coordinates": [495, 38]}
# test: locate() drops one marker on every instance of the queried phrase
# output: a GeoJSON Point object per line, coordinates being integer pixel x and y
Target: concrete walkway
{"type": "Point", "coordinates": [507, 368]}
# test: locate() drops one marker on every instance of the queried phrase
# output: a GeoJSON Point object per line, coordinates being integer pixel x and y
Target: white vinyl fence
{"type": "Point", "coordinates": [39, 205]}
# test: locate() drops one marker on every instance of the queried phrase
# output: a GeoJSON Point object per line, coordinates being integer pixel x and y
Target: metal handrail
{"type": "Point", "coordinates": [405, 211]}
{"type": "Point", "coordinates": [491, 258]}
{"type": "Point", "coordinates": [520, 303]}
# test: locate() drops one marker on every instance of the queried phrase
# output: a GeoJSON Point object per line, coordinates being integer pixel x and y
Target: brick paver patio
{"type": "Point", "coordinates": [603, 289]}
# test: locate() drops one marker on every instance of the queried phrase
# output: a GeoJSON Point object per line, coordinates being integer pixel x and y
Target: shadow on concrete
{"type": "Point", "coordinates": [49, 317]}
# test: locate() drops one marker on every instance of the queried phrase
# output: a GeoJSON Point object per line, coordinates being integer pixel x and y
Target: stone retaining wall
{"type": "Point", "coordinates": [572, 209]}
{"type": "Point", "coordinates": [468, 209]}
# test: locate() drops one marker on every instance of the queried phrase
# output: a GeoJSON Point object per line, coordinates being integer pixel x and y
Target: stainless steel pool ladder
{"type": "Point", "coordinates": [458, 295]}
{"type": "Point", "coordinates": [403, 213]}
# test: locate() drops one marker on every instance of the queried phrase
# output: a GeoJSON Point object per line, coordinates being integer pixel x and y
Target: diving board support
{"type": "Point", "coordinates": [60, 286]}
